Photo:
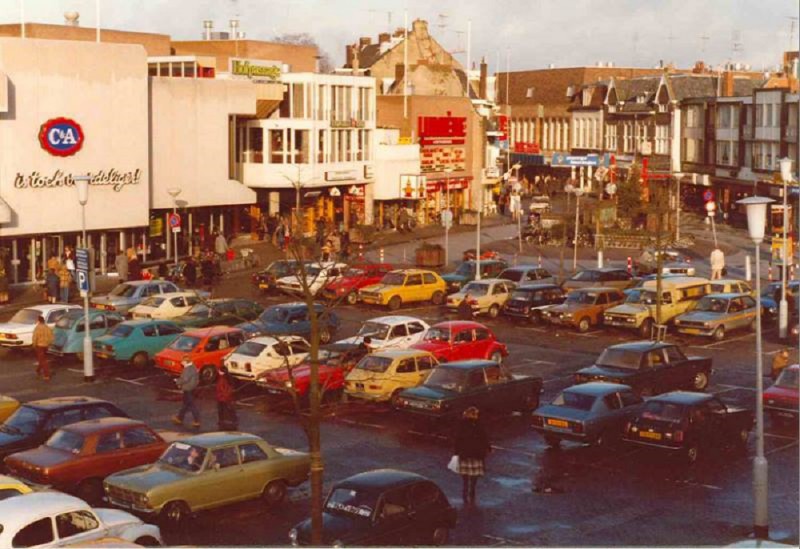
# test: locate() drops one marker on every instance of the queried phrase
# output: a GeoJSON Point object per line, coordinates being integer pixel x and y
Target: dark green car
{"type": "Point", "coordinates": [216, 312]}
{"type": "Point", "coordinates": [465, 273]}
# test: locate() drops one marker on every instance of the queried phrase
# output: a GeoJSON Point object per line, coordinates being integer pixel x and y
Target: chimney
{"type": "Point", "coordinates": [363, 42]}
{"type": "Point", "coordinates": [71, 19]}
{"type": "Point", "coordinates": [727, 84]}
{"type": "Point", "coordinates": [420, 27]}
{"type": "Point", "coordinates": [384, 37]}
{"type": "Point", "coordinates": [207, 27]}
{"type": "Point", "coordinates": [349, 54]}
{"type": "Point", "coordinates": [482, 81]}
{"type": "Point", "coordinates": [356, 64]}
{"type": "Point", "coordinates": [699, 67]}
{"type": "Point", "coordinates": [399, 32]}
{"type": "Point", "coordinates": [234, 24]}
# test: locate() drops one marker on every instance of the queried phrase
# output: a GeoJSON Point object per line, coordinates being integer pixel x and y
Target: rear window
{"type": "Point", "coordinates": [66, 441]}
{"type": "Point", "coordinates": [574, 400]}
{"type": "Point", "coordinates": [663, 411]}
{"type": "Point", "coordinates": [511, 274]}
{"type": "Point", "coordinates": [185, 343]}
{"type": "Point", "coordinates": [374, 363]}
{"type": "Point", "coordinates": [250, 348]}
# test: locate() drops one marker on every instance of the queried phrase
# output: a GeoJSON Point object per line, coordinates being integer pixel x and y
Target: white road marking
{"type": "Point", "coordinates": [145, 377]}
{"type": "Point", "coordinates": [734, 388]}
{"type": "Point", "coordinates": [131, 381]}
{"type": "Point", "coordinates": [784, 437]}
{"type": "Point", "coordinates": [514, 451]}
{"type": "Point", "coordinates": [780, 448]}
{"type": "Point", "coordinates": [76, 370]}
{"type": "Point", "coordinates": [361, 423]}
{"type": "Point", "coordinates": [558, 379]}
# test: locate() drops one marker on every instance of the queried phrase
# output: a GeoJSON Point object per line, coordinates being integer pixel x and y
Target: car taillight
{"type": "Point", "coordinates": [577, 427]}
{"type": "Point", "coordinates": [11, 336]}
{"type": "Point", "coordinates": [375, 387]}
{"type": "Point", "coordinates": [678, 436]}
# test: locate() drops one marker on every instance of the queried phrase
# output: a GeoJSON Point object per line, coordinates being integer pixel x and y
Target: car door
{"type": "Point", "coordinates": [681, 369]}
{"type": "Point", "coordinates": [720, 430]}
{"type": "Point", "coordinates": [109, 455]}
{"type": "Point", "coordinates": [416, 331]}
{"type": "Point", "coordinates": [176, 306]}
{"type": "Point", "coordinates": [299, 352]}
{"type": "Point", "coordinates": [462, 345]}
{"type": "Point", "coordinates": [398, 337]}
{"type": "Point", "coordinates": [428, 507]}
{"type": "Point", "coordinates": [221, 480]}
{"type": "Point", "coordinates": [430, 282]}
{"type": "Point", "coordinates": [149, 340]}
{"type": "Point", "coordinates": [414, 288]}
{"type": "Point", "coordinates": [97, 326]}
{"type": "Point", "coordinates": [405, 374]}
{"type": "Point", "coordinates": [393, 519]}
{"type": "Point", "coordinates": [256, 467]}
{"type": "Point", "coordinates": [54, 315]}
{"type": "Point", "coordinates": [425, 364]}
{"type": "Point", "coordinates": [748, 311]}
{"type": "Point", "coordinates": [214, 350]}
{"type": "Point", "coordinates": [141, 445]}
{"type": "Point", "coordinates": [167, 333]}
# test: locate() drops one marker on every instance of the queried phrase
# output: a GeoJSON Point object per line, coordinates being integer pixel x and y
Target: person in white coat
{"type": "Point", "coordinates": [717, 264]}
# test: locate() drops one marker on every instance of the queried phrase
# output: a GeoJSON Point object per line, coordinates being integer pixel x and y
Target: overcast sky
{"type": "Point", "coordinates": [535, 33]}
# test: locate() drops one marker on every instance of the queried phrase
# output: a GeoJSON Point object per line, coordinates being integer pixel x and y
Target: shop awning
{"type": "Point", "coordinates": [5, 212]}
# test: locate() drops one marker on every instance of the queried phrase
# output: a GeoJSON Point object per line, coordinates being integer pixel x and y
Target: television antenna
{"type": "Point", "coordinates": [792, 20]}
{"type": "Point", "coordinates": [460, 47]}
{"type": "Point", "coordinates": [442, 24]}
{"type": "Point", "coordinates": [703, 41]}
{"type": "Point", "coordinates": [736, 44]}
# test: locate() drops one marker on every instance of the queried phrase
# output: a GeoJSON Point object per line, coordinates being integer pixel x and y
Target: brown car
{"type": "Point", "coordinates": [77, 457]}
{"type": "Point", "coordinates": [583, 308]}
{"type": "Point", "coordinates": [608, 277]}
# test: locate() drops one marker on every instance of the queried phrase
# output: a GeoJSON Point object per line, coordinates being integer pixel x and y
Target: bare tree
{"type": "Point", "coordinates": [305, 39]}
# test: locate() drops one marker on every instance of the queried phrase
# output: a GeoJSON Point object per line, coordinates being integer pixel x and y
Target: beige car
{"type": "Point", "coordinates": [484, 296]}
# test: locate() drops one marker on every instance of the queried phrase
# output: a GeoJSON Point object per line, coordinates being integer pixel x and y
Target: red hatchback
{"type": "Point", "coordinates": [462, 340]}
{"type": "Point", "coordinates": [781, 401]}
{"type": "Point", "coordinates": [356, 277]}
{"type": "Point", "coordinates": [205, 347]}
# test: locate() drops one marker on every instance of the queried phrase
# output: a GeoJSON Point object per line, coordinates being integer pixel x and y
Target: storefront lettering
{"type": "Point", "coordinates": [115, 179]}
{"type": "Point", "coordinates": [255, 70]}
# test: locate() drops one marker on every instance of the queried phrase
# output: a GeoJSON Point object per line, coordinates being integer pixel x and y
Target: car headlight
{"type": "Point", "coordinates": [706, 324]}
{"type": "Point", "coordinates": [630, 320]}
{"type": "Point", "coordinates": [288, 384]}
{"type": "Point", "coordinates": [293, 536]}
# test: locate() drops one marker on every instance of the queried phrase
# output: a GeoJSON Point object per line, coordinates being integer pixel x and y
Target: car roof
{"type": "Point", "coordinates": [212, 330]}
{"type": "Point", "coordinates": [607, 269]}
{"type": "Point", "coordinates": [728, 295]}
{"type": "Point", "coordinates": [380, 479]}
{"type": "Point", "coordinates": [146, 321]}
{"type": "Point", "coordinates": [47, 307]}
{"type": "Point", "coordinates": [20, 509]}
{"type": "Point", "coordinates": [219, 438]}
{"type": "Point", "coordinates": [459, 325]}
{"type": "Point", "coordinates": [489, 281]}
{"type": "Point", "coordinates": [484, 261]}
{"type": "Point", "coordinates": [683, 397]}
{"type": "Point", "coordinates": [182, 293]}
{"type": "Point", "coordinates": [101, 424]}
{"type": "Point", "coordinates": [538, 286]}
{"type": "Point", "coordinates": [641, 346]}
{"type": "Point", "coordinates": [55, 403]}
{"type": "Point", "coordinates": [269, 340]}
{"type": "Point", "coordinates": [393, 320]}
{"type": "Point", "coordinates": [469, 364]}
{"type": "Point", "coordinates": [729, 281]}
{"type": "Point", "coordinates": [290, 305]}
{"type": "Point", "coordinates": [144, 282]}
{"type": "Point", "coordinates": [675, 281]}
{"type": "Point", "coordinates": [413, 271]}
{"type": "Point", "coordinates": [597, 388]}
{"type": "Point", "coordinates": [400, 353]}
{"type": "Point", "coordinates": [596, 289]}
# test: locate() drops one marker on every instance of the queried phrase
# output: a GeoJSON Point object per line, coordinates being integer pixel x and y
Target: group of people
{"type": "Point", "coordinates": [60, 276]}
{"type": "Point", "coordinates": [188, 383]}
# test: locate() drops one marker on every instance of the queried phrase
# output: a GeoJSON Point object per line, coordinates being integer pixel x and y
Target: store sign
{"type": "Point", "coordinates": [156, 228]}
{"type": "Point", "coordinates": [436, 159]}
{"type": "Point", "coordinates": [441, 126]}
{"type": "Point", "coordinates": [255, 69]}
{"type": "Point", "coordinates": [341, 175]}
{"type": "Point", "coordinates": [352, 123]}
{"type": "Point", "coordinates": [443, 185]}
{"type": "Point", "coordinates": [115, 179]}
{"type": "Point", "coordinates": [412, 187]}
{"type": "Point", "coordinates": [61, 136]}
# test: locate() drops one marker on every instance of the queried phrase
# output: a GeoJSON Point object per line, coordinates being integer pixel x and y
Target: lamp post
{"type": "Point", "coordinates": [787, 176]}
{"type": "Point", "coordinates": [783, 306]}
{"type": "Point", "coordinates": [82, 183]}
{"type": "Point", "coordinates": [174, 192]}
{"type": "Point", "coordinates": [447, 216]}
{"type": "Point", "coordinates": [756, 220]}
{"type": "Point", "coordinates": [518, 211]}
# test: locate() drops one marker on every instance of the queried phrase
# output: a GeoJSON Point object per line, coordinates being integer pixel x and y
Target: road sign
{"type": "Point", "coordinates": [174, 221]}
{"type": "Point", "coordinates": [559, 159]}
{"type": "Point", "coordinates": [447, 218]}
{"type": "Point", "coordinates": [708, 195]}
{"type": "Point", "coordinates": [82, 264]}
{"type": "Point", "coordinates": [83, 282]}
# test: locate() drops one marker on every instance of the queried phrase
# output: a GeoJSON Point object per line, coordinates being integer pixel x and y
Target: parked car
{"type": "Point", "coordinates": [126, 295]}
{"type": "Point", "coordinates": [487, 296]}
{"type": "Point", "coordinates": [220, 312]}
{"type": "Point", "coordinates": [166, 306]}
{"type": "Point", "coordinates": [678, 295]}
{"type": "Point", "coordinates": [465, 273]}
{"type": "Point", "coordinates": [640, 281]}
{"type": "Point", "coordinates": [353, 279]}
{"type": "Point", "coordinates": [35, 421]}
{"type": "Point", "coordinates": [292, 319]}
{"type": "Point", "coordinates": [455, 386]}
{"type": "Point", "coordinates": [317, 276]}
{"type": "Point", "coordinates": [382, 507]}
{"type": "Point", "coordinates": [136, 341]}
{"type": "Point", "coordinates": [771, 296]}
{"type": "Point", "coordinates": [205, 347]}
{"type": "Point", "coordinates": [529, 301]}
{"type": "Point", "coordinates": [405, 286]}
{"type": "Point", "coordinates": [717, 314]}
{"type": "Point", "coordinates": [69, 331]}
{"type": "Point", "coordinates": [10, 487]}
{"type": "Point", "coordinates": [462, 340]}
{"type": "Point", "coordinates": [256, 356]}
{"type": "Point", "coordinates": [382, 375]}
{"type": "Point", "coordinates": [682, 268]}
{"type": "Point", "coordinates": [77, 457]}
{"type": "Point", "coordinates": [266, 279]}
{"type": "Point", "coordinates": [525, 275]}
{"type": "Point", "coordinates": [649, 367]}
{"type": "Point", "coordinates": [18, 331]}
{"type": "Point", "coordinates": [688, 424]}
{"type": "Point", "coordinates": [592, 413]}
{"type": "Point", "coordinates": [731, 286]}
{"type": "Point", "coordinates": [53, 519]}
{"type": "Point", "coordinates": [608, 277]}
{"type": "Point", "coordinates": [782, 399]}
{"type": "Point", "coordinates": [390, 332]}
{"type": "Point", "coordinates": [583, 308]}
{"type": "Point", "coordinates": [647, 263]}
{"type": "Point", "coordinates": [238, 467]}
{"type": "Point", "coordinates": [8, 405]}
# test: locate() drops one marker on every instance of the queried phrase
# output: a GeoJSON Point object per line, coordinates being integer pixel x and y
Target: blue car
{"type": "Point", "coordinates": [69, 331]}
{"type": "Point", "coordinates": [291, 319]}
{"type": "Point", "coordinates": [136, 341]}
{"type": "Point", "coordinates": [771, 295]}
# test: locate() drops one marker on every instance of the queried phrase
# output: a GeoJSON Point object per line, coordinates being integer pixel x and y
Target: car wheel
{"type": "Point", "coordinates": [90, 491]}
{"type": "Point", "coordinates": [494, 310]}
{"type": "Point", "coordinates": [140, 360]}
{"type": "Point", "coordinates": [552, 442]}
{"type": "Point", "coordinates": [497, 357]}
{"type": "Point", "coordinates": [274, 492]}
{"type": "Point", "coordinates": [719, 333]}
{"type": "Point", "coordinates": [584, 324]}
{"type": "Point", "coordinates": [394, 400]}
{"type": "Point", "coordinates": [439, 536]}
{"type": "Point", "coordinates": [437, 298]}
{"type": "Point", "coordinates": [147, 541]}
{"type": "Point", "coordinates": [395, 303]}
{"type": "Point", "coordinates": [174, 513]}
{"type": "Point", "coordinates": [700, 381]}
{"type": "Point", "coordinates": [352, 298]}
{"type": "Point", "coordinates": [208, 375]}
{"type": "Point", "coordinates": [692, 453]}
{"type": "Point", "coordinates": [324, 336]}
{"type": "Point", "coordinates": [646, 329]}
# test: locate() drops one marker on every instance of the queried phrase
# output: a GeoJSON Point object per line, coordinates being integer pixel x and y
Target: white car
{"type": "Point", "coordinates": [18, 331]}
{"type": "Point", "coordinates": [165, 306]}
{"type": "Point", "coordinates": [261, 354]}
{"type": "Point", "coordinates": [53, 519]}
{"type": "Point", "coordinates": [390, 332]}
{"type": "Point", "coordinates": [317, 276]}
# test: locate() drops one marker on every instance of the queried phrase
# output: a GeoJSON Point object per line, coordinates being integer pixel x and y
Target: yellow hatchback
{"type": "Point", "coordinates": [383, 375]}
{"type": "Point", "coordinates": [405, 286]}
{"type": "Point", "coordinates": [10, 486]}
{"type": "Point", "coordinates": [8, 406]}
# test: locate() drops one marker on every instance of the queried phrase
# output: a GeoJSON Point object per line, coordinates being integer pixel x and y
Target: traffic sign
{"type": "Point", "coordinates": [82, 266]}
{"type": "Point", "coordinates": [708, 195]}
{"type": "Point", "coordinates": [174, 221]}
{"type": "Point", "coordinates": [447, 218]}
{"type": "Point", "coordinates": [83, 282]}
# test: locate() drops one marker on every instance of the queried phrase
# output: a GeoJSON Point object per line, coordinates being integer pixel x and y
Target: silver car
{"type": "Point", "coordinates": [127, 295]}
{"type": "Point", "coordinates": [716, 314]}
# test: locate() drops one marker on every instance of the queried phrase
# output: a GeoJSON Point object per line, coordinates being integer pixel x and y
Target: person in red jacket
{"type": "Point", "coordinates": [226, 411]}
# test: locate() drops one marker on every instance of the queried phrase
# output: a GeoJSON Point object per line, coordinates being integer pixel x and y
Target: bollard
{"type": "Point", "coordinates": [769, 272]}
{"type": "Point", "coordinates": [540, 261]}
{"type": "Point", "coordinates": [599, 259]}
{"type": "Point", "coordinates": [380, 255]}
{"type": "Point", "coordinates": [630, 265]}
{"type": "Point", "coordinates": [748, 273]}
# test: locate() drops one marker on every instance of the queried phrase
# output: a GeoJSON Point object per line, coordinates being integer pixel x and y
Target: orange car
{"type": "Point", "coordinates": [205, 347]}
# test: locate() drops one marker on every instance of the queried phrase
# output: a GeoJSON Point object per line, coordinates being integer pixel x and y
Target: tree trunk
{"type": "Point", "coordinates": [314, 420]}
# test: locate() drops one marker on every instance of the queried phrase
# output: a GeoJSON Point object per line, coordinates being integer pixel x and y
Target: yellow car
{"type": "Point", "coordinates": [382, 375]}
{"type": "Point", "coordinates": [9, 486]}
{"type": "Point", "coordinates": [405, 286]}
{"type": "Point", "coordinates": [8, 406]}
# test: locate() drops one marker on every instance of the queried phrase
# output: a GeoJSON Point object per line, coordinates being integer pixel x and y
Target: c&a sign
{"type": "Point", "coordinates": [61, 136]}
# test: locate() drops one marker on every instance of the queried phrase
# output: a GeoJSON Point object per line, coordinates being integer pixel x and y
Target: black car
{"type": "Point", "coordinates": [216, 312]}
{"type": "Point", "coordinates": [265, 279]}
{"type": "Point", "coordinates": [649, 367]}
{"type": "Point", "coordinates": [689, 423]}
{"type": "Point", "coordinates": [382, 507]}
{"type": "Point", "coordinates": [33, 422]}
{"type": "Point", "coordinates": [528, 301]}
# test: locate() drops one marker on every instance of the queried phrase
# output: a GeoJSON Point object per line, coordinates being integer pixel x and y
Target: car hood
{"type": "Point", "coordinates": [44, 456]}
{"type": "Point", "coordinates": [453, 277]}
{"type": "Point", "coordinates": [426, 392]}
{"type": "Point", "coordinates": [334, 528]}
{"type": "Point", "coordinates": [562, 412]}
{"type": "Point", "coordinates": [701, 316]}
{"type": "Point", "coordinates": [628, 309]}
{"type": "Point", "coordinates": [377, 288]}
{"type": "Point", "coordinates": [596, 370]}
{"type": "Point", "coordinates": [782, 393]}
{"type": "Point", "coordinates": [15, 327]}
{"type": "Point", "coordinates": [114, 518]}
{"type": "Point", "coordinates": [141, 479]}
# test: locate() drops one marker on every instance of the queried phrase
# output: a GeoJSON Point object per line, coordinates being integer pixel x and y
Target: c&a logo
{"type": "Point", "coordinates": [61, 136]}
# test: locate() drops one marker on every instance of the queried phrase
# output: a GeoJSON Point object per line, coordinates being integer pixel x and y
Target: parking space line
{"type": "Point", "coordinates": [780, 448]}
{"type": "Point", "coordinates": [361, 423]}
{"type": "Point", "coordinates": [784, 437]}
{"type": "Point", "coordinates": [76, 370]}
{"type": "Point", "coordinates": [428, 435]}
{"type": "Point", "coordinates": [513, 451]}
{"type": "Point", "coordinates": [734, 387]}
{"type": "Point", "coordinates": [131, 381]}
{"type": "Point", "coordinates": [557, 379]}
{"type": "Point", "coordinates": [145, 377]}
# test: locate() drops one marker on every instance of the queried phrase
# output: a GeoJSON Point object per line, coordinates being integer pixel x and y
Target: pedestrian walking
{"type": "Point", "coordinates": [64, 281]}
{"type": "Point", "coordinates": [187, 382]}
{"type": "Point", "coordinates": [53, 263]}
{"type": "Point", "coordinates": [220, 245]}
{"type": "Point", "coordinates": [134, 265]}
{"type": "Point", "coordinates": [42, 339]}
{"type": "Point", "coordinates": [69, 261]}
{"type": "Point", "coordinates": [471, 446]}
{"type": "Point", "coordinates": [226, 412]}
{"type": "Point", "coordinates": [52, 283]}
{"type": "Point", "coordinates": [717, 264]}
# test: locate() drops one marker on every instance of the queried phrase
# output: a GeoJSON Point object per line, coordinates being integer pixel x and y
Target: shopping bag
{"type": "Point", "coordinates": [453, 465]}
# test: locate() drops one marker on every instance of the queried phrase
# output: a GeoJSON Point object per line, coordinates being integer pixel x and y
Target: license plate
{"type": "Point", "coordinates": [558, 423]}
{"type": "Point", "coordinates": [416, 404]}
{"type": "Point", "coordinates": [263, 286]}
{"type": "Point", "coordinates": [691, 331]}
{"type": "Point", "coordinates": [648, 434]}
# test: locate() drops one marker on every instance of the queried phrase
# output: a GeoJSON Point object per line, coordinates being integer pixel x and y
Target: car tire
{"type": "Point", "coordinates": [147, 541]}
{"type": "Point", "coordinates": [394, 400]}
{"type": "Point", "coordinates": [394, 303]}
{"type": "Point", "coordinates": [90, 490]}
{"type": "Point", "coordinates": [494, 310]}
{"type": "Point", "coordinates": [352, 298]}
{"type": "Point", "coordinates": [274, 493]}
{"type": "Point", "coordinates": [496, 357]}
{"type": "Point", "coordinates": [174, 513]}
{"type": "Point", "coordinates": [439, 536]}
{"type": "Point", "coordinates": [324, 336]}
{"type": "Point", "coordinates": [692, 453]}
{"type": "Point", "coordinates": [552, 442]}
{"type": "Point", "coordinates": [584, 324]}
{"type": "Point", "coordinates": [208, 375]}
{"type": "Point", "coordinates": [646, 329]}
{"type": "Point", "coordinates": [437, 298]}
{"type": "Point", "coordinates": [719, 333]}
{"type": "Point", "coordinates": [140, 360]}
{"type": "Point", "coordinates": [700, 381]}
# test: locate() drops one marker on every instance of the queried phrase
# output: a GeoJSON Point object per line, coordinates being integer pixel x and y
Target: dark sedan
{"type": "Point", "coordinates": [292, 319]}
{"type": "Point", "coordinates": [220, 312]}
{"type": "Point", "coordinates": [528, 301]}
{"type": "Point", "coordinates": [649, 367]}
{"type": "Point", "coordinates": [382, 507]}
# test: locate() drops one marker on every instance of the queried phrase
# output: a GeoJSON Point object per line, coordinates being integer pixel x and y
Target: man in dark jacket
{"type": "Point", "coordinates": [227, 420]}
{"type": "Point", "coordinates": [471, 446]}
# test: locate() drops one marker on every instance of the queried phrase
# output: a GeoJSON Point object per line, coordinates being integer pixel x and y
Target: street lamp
{"type": "Point", "coordinates": [756, 220]}
{"type": "Point", "coordinates": [174, 192]}
{"type": "Point", "coordinates": [787, 176]}
{"type": "Point", "coordinates": [578, 192]}
{"type": "Point", "coordinates": [447, 216]}
{"type": "Point", "coordinates": [82, 183]}
{"type": "Point", "coordinates": [518, 209]}
{"type": "Point", "coordinates": [783, 306]}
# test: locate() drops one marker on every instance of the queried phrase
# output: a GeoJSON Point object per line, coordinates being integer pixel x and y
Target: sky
{"type": "Point", "coordinates": [520, 34]}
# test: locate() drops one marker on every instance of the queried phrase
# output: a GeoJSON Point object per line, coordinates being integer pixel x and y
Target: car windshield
{"type": "Point", "coordinates": [250, 348]}
{"type": "Point", "coordinates": [712, 305]}
{"type": "Point", "coordinates": [184, 456]}
{"type": "Point", "coordinates": [185, 343]}
{"type": "Point", "coordinates": [67, 441]}
{"type": "Point", "coordinates": [26, 316]}
{"type": "Point", "coordinates": [373, 363]}
{"type": "Point", "coordinates": [476, 289]}
{"type": "Point", "coordinates": [578, 401]}
{"type": "Point", "coordinates": [70, 319]}
{"type": "Point", "coordinates": [274, 314]}
{"type": "Point", "coordinates": [123, 290]}
{"type": "Point", "coordinates": [789, 379]}
{"type": "Point", "coordinates": [663, 411]}
{"type": "Point", "coordinates": [393, 279]}
{"type": "Point", "coordinates": [452, 379]}
{"type": "Point", "coordinates": [282, 268]}
{"type": "Point", "coordinates": [154, 301]}
{"type": "Point", "coordinates": [25, 421]}
{"type": "Point", "coordinates": [200, 309]}
{"type": "Point", "coordinates": [581, 298]}
{"type": "Point", "coordinates": [313, 270]}
{"type": "Point", "coordinates": [375, 330]}
{"type": "Point", "coordinates": [122, 330]}
{"type": "Point", "coordinates": [511, 274]}
{"type": "Point", "coordinates": [438, 334]}
{"type": "Point", "coordinates": [584, 276]}
{"type": "Point", "coordinates": [648, 297]}
{"type": "Point", "coordinates": [349, 502]}
{"type": "Point", "coordinates": [521, 295]}
{"type": "Point", "coordinates": [466, 269]}
{"type": "Point", "coordinates": [634, 296]}
{"type": "Point", "coordinates": [619, 358]}
{"type": "Point", "coordinates": [354, 273]}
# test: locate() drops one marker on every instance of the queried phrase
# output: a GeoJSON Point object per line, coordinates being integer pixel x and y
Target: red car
{"type": "Point", "coordinates": [462, 340]}
{"type": "Point", "coordinates": [356, 277]}
{"type": "Point", "coordinates": [781, 401]}
{"type": "Point", "coordinates": [206, 347]}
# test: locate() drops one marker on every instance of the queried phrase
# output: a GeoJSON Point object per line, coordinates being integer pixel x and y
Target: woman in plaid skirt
{"type": "Point", "coordinates": [471, 447]}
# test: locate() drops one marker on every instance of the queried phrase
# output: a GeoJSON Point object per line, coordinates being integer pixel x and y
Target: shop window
{"type": "Point", "coordinates": [255, 145]}
{"type": "Point", "coordinates": [176, 69]}
{"type": "Point", "coordinates": [276, 146]}
{"type": "Point", "coordinates": [163, 69]}
{"type": "Point", "coordinates": [188, 70]}
{"type": "Point", "coordinates": [321, 146]}
{"type": "Point", "coordinates": [300, 147]}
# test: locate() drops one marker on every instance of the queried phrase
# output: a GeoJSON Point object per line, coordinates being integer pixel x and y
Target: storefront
{"type": "Point", "coordinates": [443, 193]}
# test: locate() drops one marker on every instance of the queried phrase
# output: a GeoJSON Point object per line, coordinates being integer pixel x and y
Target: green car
{"type": "Point", "coordinates": [136, 341]}
{"type": "Point", "coordinates": [216, 312]}
{"type": "Point", "coordinates": [207, 471]}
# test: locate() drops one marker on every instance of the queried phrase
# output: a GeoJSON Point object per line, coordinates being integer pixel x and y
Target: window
{"type": "Point", "coordinates": [399, 331]}
{"type": "Point", "coordinates": [224, 457]}
{"type": "Point", "coordinates": [75, 522]}
{"type": "Point", "coordinates": [414, 280]}
{"type": "Point", "coordinates": [602, 299]}
{"type": "Point", "coordinates": [724, 117]}
{"type": "Point", "coordinates": [424, 494]}
{"type": "Point", "coordinates": [655, 358]}
{"type": "Point", "coordinates": [629, 398]}
{"type": "Point", "coordinates": [493, 375]}
{"type": "Point", "coordinates": [251, 452]}
{"type": "Point", "coordinates": [97, 323]}
{"type": "Point", "coordinates": [464, 336]}
{"type": "Point", "coordinates": [612, 401]}
{"type": "Point", "coordinates": [168, 329]}
{"type": "Point", "coordinates": [321, 137]}
{"type": "Point", "coordinates": [213, 343]}
{"type": "Point", "coordinates": [425, 363]}
{"type": "Point", "coordinates": [109, 442]}
{"type": "Point", "coordinates": [415, 328]}
{"type": "Point", "coordinates": [715, 406]}
{"type": "Point", "coordinates": [97, 412]}
{"type": "Point", "coordinates": [429, 278]}
{"type": "Point", "coordinates": [235, 338]}
{"type": "Point", "coordinates": [300, 147]}
{"type": "Point", "coordinates": [674, 354]}
{"type": "Point", "coordinates": [277, 146]}
{"type": "Point", "coordinates": [694, 293]}
{"type": "Point", "coordinates": [395, 503]}
{"type": "Point", "coordinates": [64, 417]}
{"type": "Point", "coordinates": [55, 315]}
{"type": "Point", "coordinates": [406, 366]}
{"type": "Point", "coordinates": [299, 347]}
{"type": "Point", "coordinates": [475, 379]}
{"type": "Point", "coordinates": [149, 331]}
{"type": "Point", "coordinates": [481, 334]}
{"type": "Point", "coordinates": [749, 302]}
{"type": "Point", "coordinates": [499, 289]}
{"type": "Point", "coordinates": [662, 139]}
{"type": "Point", "coordinates": [138, 436]}
{"type": "Point", "coordinates": [611, 137]}
{"type": "Point", "coordinates": [178, 302]}
{"type": "Point", "coordinates": [36, 533]}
